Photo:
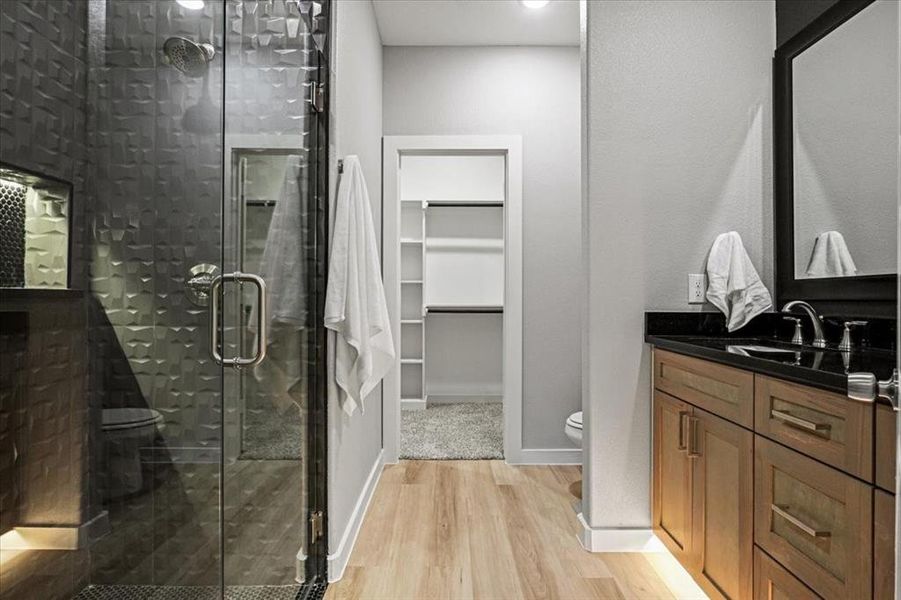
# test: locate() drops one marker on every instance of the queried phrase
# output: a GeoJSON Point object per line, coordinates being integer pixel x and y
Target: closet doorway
{"type": "Point", "coordinates": [453, 279]}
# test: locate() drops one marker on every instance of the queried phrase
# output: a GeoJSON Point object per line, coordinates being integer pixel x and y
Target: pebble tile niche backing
{"type": "Point", "coordinates": [12, 234]}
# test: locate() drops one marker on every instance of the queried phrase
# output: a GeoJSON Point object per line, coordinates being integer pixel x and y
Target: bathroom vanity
{"type": "Point", "coordinates": [767, 478]}
{"type": "Point", "coordinates": [773, 476]}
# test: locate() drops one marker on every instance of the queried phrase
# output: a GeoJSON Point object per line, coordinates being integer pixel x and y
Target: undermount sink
{"type": "Point", "coordinates": [755, 349]}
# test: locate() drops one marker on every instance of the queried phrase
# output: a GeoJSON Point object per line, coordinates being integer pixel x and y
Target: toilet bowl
{"type": "Point", "coordinates": [573, 428]}
{"type": "Point", "coordinates": [125, 432]}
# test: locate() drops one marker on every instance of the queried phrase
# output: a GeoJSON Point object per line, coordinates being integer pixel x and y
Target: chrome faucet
{"type": "Point", "coordinates": [819, 340]}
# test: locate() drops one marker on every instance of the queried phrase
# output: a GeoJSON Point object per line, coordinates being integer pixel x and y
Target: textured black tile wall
{"type": "Point", "coordinates": [43, 53]}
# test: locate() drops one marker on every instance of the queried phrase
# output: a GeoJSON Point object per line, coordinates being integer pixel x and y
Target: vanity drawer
{"type": "Point", "coordinates": [721, 390]}
{"type": "Point", "coordinates": [824, 425]}
{"type": "Point", "coordinates": [814, 520]}
{"type": "Point", "coordinates": [885, 447]}
{"type": "Point", "coordinates": [773, 582]}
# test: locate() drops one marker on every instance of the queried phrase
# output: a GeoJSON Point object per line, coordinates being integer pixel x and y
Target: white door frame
{"type": "Point", "coordinates": [511, 146]}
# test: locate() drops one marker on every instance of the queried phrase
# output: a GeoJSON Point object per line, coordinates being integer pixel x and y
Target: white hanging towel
{"type": "Point", "coordinates": [355, 306]}
{"type": "Point", "coordinates": [830, 257]}
{"type": "Point", "coordinates": [733, 285]}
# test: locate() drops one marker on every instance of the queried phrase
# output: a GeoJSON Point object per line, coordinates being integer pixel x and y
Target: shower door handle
{"type": "Point", "coordinates": [262, 319]}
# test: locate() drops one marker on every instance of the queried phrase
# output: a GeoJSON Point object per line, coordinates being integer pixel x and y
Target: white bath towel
{"type": "Point", "coordinates": [733, 285]}
{"type": "Point", "coordinates": [830, 257]}
{"type": "Point", "coordinates": [355, 306]}
{"type": "Point", "coordinates": [284, 268]}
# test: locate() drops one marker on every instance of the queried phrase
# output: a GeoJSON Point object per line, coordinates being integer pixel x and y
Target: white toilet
{"type": "Point", "coordinates": [125, 432]}
{"type": "Point", "coordinates": [573, 428]}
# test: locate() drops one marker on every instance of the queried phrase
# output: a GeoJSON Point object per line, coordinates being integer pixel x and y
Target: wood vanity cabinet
{"type": "Point", "coordinates": [767, 489]}
{"type": "Point", "coordinates": [703, 474]}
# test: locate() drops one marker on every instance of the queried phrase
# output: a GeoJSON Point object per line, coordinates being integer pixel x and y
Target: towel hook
{"type": "Point", "coordinates": [340, 166]}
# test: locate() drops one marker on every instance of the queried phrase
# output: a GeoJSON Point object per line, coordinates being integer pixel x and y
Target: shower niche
{"type": "Point", "coordinates": [34, 230]}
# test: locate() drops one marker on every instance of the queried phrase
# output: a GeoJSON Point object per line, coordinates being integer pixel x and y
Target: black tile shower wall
{"type": "Point", "coordinates": [43, 105]}
{"type": "Point", "coordinates": [46, 407]}
{"type": "Point", "coordinates": [45, 423]}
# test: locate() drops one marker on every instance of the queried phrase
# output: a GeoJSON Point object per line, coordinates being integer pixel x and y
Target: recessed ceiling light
{"type": "Point", "coordinates": [191, 4]}
{"type": "Point", "coordinates": [535, 3]}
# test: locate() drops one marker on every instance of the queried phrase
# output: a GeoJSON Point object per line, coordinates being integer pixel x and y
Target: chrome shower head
{"type": "Point", "coordinates": [187, 56]}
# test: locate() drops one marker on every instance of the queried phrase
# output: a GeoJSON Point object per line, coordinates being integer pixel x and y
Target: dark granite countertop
{"type": "Point", "coordinates": [703, 335]}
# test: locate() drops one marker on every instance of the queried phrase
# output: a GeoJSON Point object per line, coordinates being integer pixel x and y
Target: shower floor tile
{"type": "Point", "coordinates": [237, 592]}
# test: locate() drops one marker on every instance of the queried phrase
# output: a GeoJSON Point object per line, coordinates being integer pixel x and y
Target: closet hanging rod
{"type": "Point", "coordinates": [465, 309]}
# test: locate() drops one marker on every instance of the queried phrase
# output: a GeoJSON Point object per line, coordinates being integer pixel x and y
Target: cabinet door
{"type": "Point", "coordinates": [672, 475]}
{"type": "Point", "coordinates": [722, 505]}
{"type": "Point", "coordinates": [883, 545]}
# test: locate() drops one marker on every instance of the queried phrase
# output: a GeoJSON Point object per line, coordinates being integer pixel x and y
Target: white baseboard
{"type": "Point", "coordinates": [337, 560]}
{"type": "Point", "coordinates": [546, 456]}
{"type": "Point", "coordinates": [410, 404]}
{"type": "Point", "coordinates": [618, 540]}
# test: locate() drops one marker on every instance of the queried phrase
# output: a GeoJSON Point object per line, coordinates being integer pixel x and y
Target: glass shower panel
{"type": "Point", "coordinates": [155, 81]}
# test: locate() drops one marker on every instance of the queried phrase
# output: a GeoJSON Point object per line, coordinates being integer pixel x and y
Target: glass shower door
{"type": "Point", "coordinates": [141, 422]}
{"type": "Point", "coordinates": [274, 227]}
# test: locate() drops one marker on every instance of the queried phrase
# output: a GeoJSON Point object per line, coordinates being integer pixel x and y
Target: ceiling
{"type": "Point", "coordinates": [477, 23]}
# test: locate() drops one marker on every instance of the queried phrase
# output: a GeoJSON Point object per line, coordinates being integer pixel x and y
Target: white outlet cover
{"type": "Point", "coordinates": [697, 288]}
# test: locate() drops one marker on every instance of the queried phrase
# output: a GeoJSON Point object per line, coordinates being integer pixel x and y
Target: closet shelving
{"type": "Point", "coordinates": [452, 279]}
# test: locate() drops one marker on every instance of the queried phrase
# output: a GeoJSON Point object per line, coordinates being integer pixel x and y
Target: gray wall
{"type": "Point", "coordinates": [678, 136]}
{"type": "Point", "coordinates": [355, 443]}
{"type": "Point", "coordinates": [533, 92]}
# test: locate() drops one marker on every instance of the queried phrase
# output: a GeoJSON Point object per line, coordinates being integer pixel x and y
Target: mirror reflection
{"type": "Point", "coordinates": [845, 98]}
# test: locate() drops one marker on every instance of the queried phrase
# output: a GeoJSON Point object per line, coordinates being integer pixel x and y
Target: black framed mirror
{"type": "Point", "coordinates": [836, 151]}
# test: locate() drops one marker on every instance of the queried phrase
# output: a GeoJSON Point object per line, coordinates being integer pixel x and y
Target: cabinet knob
{"type": "Point", "coordinates": [865, 387]}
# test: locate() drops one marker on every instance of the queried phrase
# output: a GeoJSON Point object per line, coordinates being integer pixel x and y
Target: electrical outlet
{"type": "Point", "coordinates": [697, 287]}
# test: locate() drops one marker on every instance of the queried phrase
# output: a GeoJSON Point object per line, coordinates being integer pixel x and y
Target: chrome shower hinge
{"type": "Point", "coordinates": [317, 97]}
{"type": "Point", "coordinates": [315, 525]}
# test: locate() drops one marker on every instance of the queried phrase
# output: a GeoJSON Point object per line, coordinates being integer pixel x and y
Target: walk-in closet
{"type": "Point", "coordinates": [452, 213]}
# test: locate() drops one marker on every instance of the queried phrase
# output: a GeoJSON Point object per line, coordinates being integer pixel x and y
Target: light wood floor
{"type": "Point", "coordinates": [483, 529]}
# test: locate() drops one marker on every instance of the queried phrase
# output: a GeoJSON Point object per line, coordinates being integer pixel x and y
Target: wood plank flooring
{"type": "Point", "coordinates": [483, 529]}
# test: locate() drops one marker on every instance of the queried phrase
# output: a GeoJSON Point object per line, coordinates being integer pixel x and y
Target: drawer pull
{"type": "Point", "coordinates": [792, 420]}
{"type": "Point", "coordinates": [811, 531]}
{"type": "Point", "coordinates": [682, 416]}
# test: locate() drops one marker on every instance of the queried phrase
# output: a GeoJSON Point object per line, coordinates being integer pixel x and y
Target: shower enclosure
{"type": "Point", "coordinates": [162, 406]}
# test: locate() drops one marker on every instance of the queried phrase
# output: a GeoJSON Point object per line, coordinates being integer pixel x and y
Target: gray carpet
{"type": "Point", "coordinates": [269, 435]}
{"type": "Point", "coordinates": [465, 431]}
